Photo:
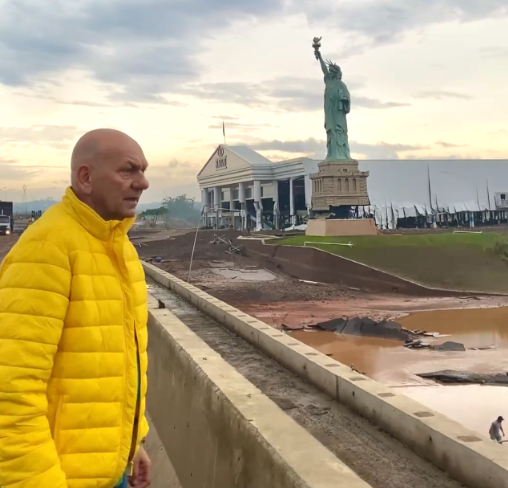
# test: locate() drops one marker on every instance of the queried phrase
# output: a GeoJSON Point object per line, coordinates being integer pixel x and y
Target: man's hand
{"type": "Point", "coordinates": [142, 472]}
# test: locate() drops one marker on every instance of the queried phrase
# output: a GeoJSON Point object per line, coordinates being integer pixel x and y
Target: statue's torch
{"type": "Point", "coordinates": [316, 44]}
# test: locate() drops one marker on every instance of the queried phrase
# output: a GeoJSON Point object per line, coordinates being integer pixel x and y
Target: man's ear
{"type": "Point", "coordinates": [84, 179]}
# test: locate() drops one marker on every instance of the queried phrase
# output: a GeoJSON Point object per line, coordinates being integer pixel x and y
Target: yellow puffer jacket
{"type": "Point", "coordinates": [72, 320]}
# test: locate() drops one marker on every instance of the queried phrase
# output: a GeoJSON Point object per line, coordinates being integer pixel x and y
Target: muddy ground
{"type": "Point", "coordinates": [175, 252]}
{"type": "Point", "coordinates": [285, 299]}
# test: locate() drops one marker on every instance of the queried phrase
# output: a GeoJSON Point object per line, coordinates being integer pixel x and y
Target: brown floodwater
{"type": "Point", "coordinates": [388, 361]}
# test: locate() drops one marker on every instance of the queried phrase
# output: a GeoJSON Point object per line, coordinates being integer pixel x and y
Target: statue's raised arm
{"type": "Point", "coordinates": [316, 45]}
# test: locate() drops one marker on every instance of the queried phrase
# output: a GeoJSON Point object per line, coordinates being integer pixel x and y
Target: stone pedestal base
{"type": "Point", "coordinates": [336, 227]}
{"type": "Point", "coordinates": [339, 183]}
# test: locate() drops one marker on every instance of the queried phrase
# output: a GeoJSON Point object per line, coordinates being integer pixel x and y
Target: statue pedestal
{"type": "Point", "coordinates": [341, 227]}
{"type": "Point", "coordinates": [339, 183]}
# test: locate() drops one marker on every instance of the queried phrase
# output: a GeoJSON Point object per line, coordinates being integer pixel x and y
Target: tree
{"type": "Point", "coordinates": [153, 215]}
{"type": "Point", "coordinates": [181, 207]}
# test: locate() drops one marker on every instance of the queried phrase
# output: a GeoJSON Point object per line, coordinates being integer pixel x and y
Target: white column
{"type": "Point", "coordinates": [232, 206]}
{"type": "Point", "coordinates": [216, 204]}
{"type": "Point", "coordinates": [292, 201]}
{"type": "Point", "coordinates": [275, 185]}
{"type": "Point", "coordinates": [308, 192]}
{"type": "Point", "coordinates": [204, 204]}
{"type": "Point", "coordinates": [216, 197]}
{"type": "Point", "coordinates": [231, 199]}
{"type": "Point", "coordinates": [257, 191]}
{"type": "Point", "coordinates": [257, 204]}
{"type": "Point", "coordinates": [241, 199]}
{"type": "Point", "coordinates": [205, 200]}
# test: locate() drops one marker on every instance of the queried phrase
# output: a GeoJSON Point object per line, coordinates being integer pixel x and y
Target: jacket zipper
{"type": "Point", "coordinates": [124, 324]}
{"type": "Point", "coordinates": [135, 430]}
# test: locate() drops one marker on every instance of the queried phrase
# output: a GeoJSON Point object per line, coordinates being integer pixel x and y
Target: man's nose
{"type": "Point", "coordinates": [141, 183]}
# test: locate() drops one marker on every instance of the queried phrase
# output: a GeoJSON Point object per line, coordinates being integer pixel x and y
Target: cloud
{"type": "Point", "coordinates": [289, 94]}
{"type": "Point", "coordinates": [373, 103]}
{"type": "Point", "coordinates": [449, 144]}
{"type": "Point", "coordinates": [39, 92]}
{"type": "Point", "coordinates": [308, 146]}
{"type": "Point", "coordinates": [11, 170]}
{"type": "Point", "coordinates": [55, 136]}
{"type": "Point", "coordinates": [498, 132]}
{"type": "Point", "coordinates": [494, 52]}
{"type": "Point", "coordinates": [317, 148]}
{"type": "Point", "coordinates": [242, 126]}
{"type": "Point", "coordinates": [383, 21]}
{"type": "Point", "coordinates": [440, 94]}
{"type": "Point", "coordinates": [139, 49]}
{"type": "Point", "coordinates": [173, 173]}
{"type": "Point", "coordinates": [227, 117]}
{"type": "Point", "coordinates": [382, 150]}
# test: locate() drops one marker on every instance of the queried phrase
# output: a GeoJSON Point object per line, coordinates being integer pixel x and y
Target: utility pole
{"type": "Point", "coordinates": [24, 199]}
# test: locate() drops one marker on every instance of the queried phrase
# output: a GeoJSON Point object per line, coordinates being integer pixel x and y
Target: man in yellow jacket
{"type": "Point", "coordinates": [73, 334]}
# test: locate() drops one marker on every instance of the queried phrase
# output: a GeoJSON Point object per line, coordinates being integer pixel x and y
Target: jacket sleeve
{"type": "Point", "coordinates": [35, 280]}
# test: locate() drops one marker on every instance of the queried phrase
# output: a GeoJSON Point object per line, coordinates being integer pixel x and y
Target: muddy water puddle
{"type": "Point", "coordinates": [473, 327]}
{"type": "Point", "coordinates": [474, 406]}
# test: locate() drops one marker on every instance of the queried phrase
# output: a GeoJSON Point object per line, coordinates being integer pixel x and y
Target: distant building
{"type": "Point", "coordinates": [243, 189]}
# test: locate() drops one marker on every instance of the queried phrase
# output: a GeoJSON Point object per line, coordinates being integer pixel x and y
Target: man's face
{"type": "Point", "coordinates": [118, 182]}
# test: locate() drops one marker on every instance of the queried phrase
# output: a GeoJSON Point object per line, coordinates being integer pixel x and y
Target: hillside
{"type": "Point", "coordinates": [453, 261]}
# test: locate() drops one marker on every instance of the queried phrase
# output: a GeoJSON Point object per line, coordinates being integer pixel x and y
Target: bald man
{"type": "Point", "coordinates": [73, 332]}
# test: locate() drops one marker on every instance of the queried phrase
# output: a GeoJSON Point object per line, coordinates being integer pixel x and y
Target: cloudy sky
{"type": "Point", "coordinates": [428, 79]}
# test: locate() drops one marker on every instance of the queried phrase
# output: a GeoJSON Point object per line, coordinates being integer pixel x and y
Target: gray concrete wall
{"type": "Point", "coordinates": [218, 430]}
{"type": "Point", "coordinates": [467, 456]}
{"type": "Point", "coordinates": [164, 475]}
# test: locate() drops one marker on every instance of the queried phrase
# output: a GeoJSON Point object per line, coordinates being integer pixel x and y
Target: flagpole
{"type": "Point", "coordinates": [224, 132]}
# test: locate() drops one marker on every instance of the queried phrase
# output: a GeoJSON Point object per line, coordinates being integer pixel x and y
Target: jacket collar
{"type": "Point", "coordinates": [91, 221]}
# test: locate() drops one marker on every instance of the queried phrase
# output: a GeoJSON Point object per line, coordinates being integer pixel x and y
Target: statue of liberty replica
{"type": "Point", "coordinates": [339, 189]}
{"type": "Point", "coordinates": [337, 106]}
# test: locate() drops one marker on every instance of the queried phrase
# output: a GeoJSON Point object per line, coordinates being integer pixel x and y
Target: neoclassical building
{"type": "Point", "coordinates": [243, 189]}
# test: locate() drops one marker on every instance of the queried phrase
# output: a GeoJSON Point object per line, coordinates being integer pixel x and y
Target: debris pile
{"type": "Point", "coordinates": [365, 326]}
{"type": "Point", "coordinates": [449, 376]}
{"type": "Point", "coordinates": [232, 249]}
{"type": "Point", "coordinates": [387, 329]}
{"type": "Point", "coordinates": [450, 346]}
{"type": "Point", "coordinates": [416, 344]}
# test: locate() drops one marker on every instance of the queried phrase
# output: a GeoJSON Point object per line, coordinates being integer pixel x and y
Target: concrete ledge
{"type": "Point", "coordinates": [468, 457]}
{"type": "Point", "coordinates": [218, 429]}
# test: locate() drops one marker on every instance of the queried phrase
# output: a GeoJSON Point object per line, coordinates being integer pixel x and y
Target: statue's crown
{"type": "Point", "coordinates": [332, 65]}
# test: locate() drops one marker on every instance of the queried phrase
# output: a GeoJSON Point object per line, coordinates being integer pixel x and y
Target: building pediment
{"type": "Point", "coordinates": [227, 159]}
